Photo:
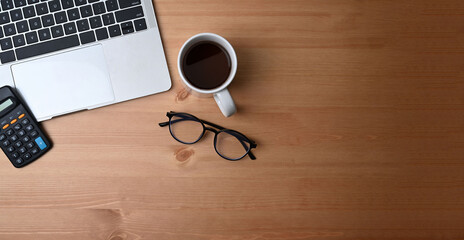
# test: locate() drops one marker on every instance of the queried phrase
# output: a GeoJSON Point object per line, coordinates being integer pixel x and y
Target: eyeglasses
{"type": "Point", "coordinates": [188, 129]}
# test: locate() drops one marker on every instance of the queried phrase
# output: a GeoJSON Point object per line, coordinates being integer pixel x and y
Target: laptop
{"type": "Point", "coordinates": [64, 56]}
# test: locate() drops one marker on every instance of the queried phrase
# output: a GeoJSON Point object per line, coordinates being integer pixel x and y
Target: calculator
{"type": "Point", "coordinates": [21, 138]}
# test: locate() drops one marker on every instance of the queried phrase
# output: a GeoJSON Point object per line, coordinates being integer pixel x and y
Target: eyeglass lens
{"type": "Point", "coordinates": [186, 128]}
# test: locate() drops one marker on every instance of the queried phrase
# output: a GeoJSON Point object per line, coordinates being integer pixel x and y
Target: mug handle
{"type": "Point", "coordinates": [225, 102]}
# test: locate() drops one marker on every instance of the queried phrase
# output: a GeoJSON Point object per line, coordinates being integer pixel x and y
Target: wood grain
{"type": "Point", "coordinates": [357, 108]}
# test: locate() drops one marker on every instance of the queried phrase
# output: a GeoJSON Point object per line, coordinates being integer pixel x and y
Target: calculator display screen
{"type": "Point", "coordinates": [5, 104]}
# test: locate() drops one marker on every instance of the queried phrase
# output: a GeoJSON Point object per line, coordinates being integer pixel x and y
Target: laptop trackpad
{"type": "Point", "coordinates": [65, 82]}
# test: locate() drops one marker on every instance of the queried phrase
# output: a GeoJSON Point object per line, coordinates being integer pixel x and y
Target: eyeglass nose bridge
{"type": "Point", "coordinates": [212, 130]}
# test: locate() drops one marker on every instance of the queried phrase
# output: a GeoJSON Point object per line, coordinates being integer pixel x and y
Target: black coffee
{"type": "Point", "coordinates": [206, 65]}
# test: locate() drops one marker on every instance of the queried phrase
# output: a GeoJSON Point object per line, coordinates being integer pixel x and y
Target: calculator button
{"type": "Point", "coordinates": [34, 133]}
{"type": "Point", "coordinates": [40, 142]}
{"type": "Point", "coordinates": [13, 121]}
{"type": "Point", "coordinates": [14, 138]}
{"type": "Point", "coordinates": [17, 126]}
{"type": "Point", "coordinates": [2, 137]}
{"type": "Point", "coordinates": [15, 155]}
{"type": "Point", "coordinates": [10, 149]}
{"type": "Point", "coordinates": [25, 121]}
{"type": "Point", "coordinates": [9, 132]}
{"type": "Point", "coordinates": [6, 143]}
{"type": "Point", "coordinates": [26, 139]}
{"type": "Point", "coordinates": [21, 116]}
{"type": "Point", "coordinates": [35, 151]}
{"type": "Point", "coordinates": [27, 156]}
{"type": "Point", "coordinates": [6, 125]}
{"type": "Point", "coordinates": [29, 128]}
{"type": "Point", "coordinates": [30, 145]}
{"type": "Point", "coordinates": [22, 150]}
{"type": "Point", "coordinates": [18, 144]}
{"type": "Point", "coordinates": [19, 161]}
{"type": "Point", "coordinates": [21, 133]}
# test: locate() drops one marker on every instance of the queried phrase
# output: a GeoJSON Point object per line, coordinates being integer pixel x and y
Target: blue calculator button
{"type": "Point", "coordinates": [40, 142]}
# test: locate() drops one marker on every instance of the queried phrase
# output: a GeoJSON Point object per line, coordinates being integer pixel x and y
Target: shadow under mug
{"type": "Point", "coordinates": [221, 94]}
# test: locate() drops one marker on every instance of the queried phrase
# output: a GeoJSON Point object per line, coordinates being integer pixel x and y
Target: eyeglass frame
{"type": "Point", "coordinates": [216, 132]}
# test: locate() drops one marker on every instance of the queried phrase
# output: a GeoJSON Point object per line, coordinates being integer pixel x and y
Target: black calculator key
{"type": "Point", "coordinates": [17, 127]}
{"type": "Point", "coordinates": [6, 43]}
{"type": "Point", "coordinates": [22, 150]}
{"type": "Point", "coordinates": [27, 156]}
{"type": "Point", "coordinates": [25, 121]}
{"type": "Point", "coordinates": [14, 138]}
{"type": "Point", "coordinates": [15, 154]}
{"type": "Point", "coordinates": [9, 132]}
{"type": "Point", "coordinates": [127, 27]}
{"type": "Point", "coordinates": [87, 37]}
{"type": "Point", "coordinates": [114, 30]}
{"type": "Point", "coordinates": [30, 145]}
{"type": "Point", "coordinates": [60, 17]}
{"type": "Point", "coordinates": [8, 56]}
{"type": "Point", "coordinates": [70, 28]}
{"type": "Point", "coordinates": [27, 139]}
{"type": "Point", "coordinates": [29, 12]}
{"type": "Point", "coordinates": [34, 133]}
{"type": "Point", "coordinates": [35, 151]}
{"type": "Point", "coordinates": [19, 161]}
{"type": "Point", "coordinates": [10, 149]}
{"type": "Point", "coordinates": [2, 137]}
{"type": "Point", "coordinates": [41, 8]}
{"type": "Point", "coordinates": [18, 144]}
{"type": "Point", "coordinates": [29, 128]}
{"type": "Point", "coordinates": [6, 143]}
{"type": "Point", "coordinates": [101, 33]}
{"type": "Point", "coordinates": [19, 40]}
{"type": "Point", "coordinates": [140, 24]}
{"type": "Point", "coordinates": [21, 133]}
{"type": "Point", "coordinates": [35, 23]}
{"type": "Point", "coordinates": [16, 15]}
{"type": "Point", "coordinates": [73, 14]}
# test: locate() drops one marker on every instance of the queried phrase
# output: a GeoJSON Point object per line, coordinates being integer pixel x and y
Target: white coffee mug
{"type": "Point", "coordinates": [221, 94]}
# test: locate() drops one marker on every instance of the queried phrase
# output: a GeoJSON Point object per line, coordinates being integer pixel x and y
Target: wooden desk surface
{"type": "Point", "coordinates": [357, 108]}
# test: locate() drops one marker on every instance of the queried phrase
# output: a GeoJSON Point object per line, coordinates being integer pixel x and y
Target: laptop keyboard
{"type": "Point", "coordinates": [31, 28]}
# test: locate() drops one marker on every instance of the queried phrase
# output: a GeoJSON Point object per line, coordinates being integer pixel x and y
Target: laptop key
{"type": "Point", "coordinates": [19, 40]}
{"type": "Point", "coordinates": [70, 28]}
{"type": "Point", "coordinates": [9, 29]}
{"type": "Point", "coordinates": [16, 15]}
{"type": "Point", "coordinates": [32, 1]}
{"type": "Point", "coordinates": [22, 26]}
{"type": "Point", "coordinates": [44, 34]}
{"type": "Point", "coordinates": [6, 57]}
{"type": "Point", "coordinates": [127, 27]}
{"type": "Point", "coordinates": [20, 3]}
{"type": "Point", "coordinates": [6, 43]}
{"type": "Point", "coordinates": [60, 17]}
{"type": "Point", "coordinates": [114, 30]}
{"type": "Point", "coordinates": [140, 24]}
{"type": "Point", "coordinates": [111, 5]}
{"type": "Point", "coordinates": [7, 4]}
{"type": "Point", "coordinates": [87, 37]}
{"type": "Point", "coordinates": [67, 4]}
{"type": "Point", "coordinates": [35, 23]}
{"type": "Point", "coordinates": [47, 47]}
{"type": "Point", "coordinates": [129, 14]}
{"type": "Point", "coordinates": [95, 22]}
{"type": "Point", "coordinates": [98, 8]}
{"type": "Point", "coordinates": [83, 25]}
{"type": "Point", "coordinates": [54, 5]}
{"type": "Point", "coordinates": [41, 8]}
{"type": "Point", "coordinates": [86, 11]}
{"type": "Point", "coordinates": [80, 2]}
{"type": "Point", "coordinates": [4, 17]}
{"type": "Point", "coordinates": [101, 33]}
{"type": "Point", "coordinates": [48, 20]}
{"type": "Point", "coordinates": [57, 31]}
{"type": "Point", "coordinates": [29, 12]}
{"type": "Point", "coordinates": [128, 3]}
{"type": "Point", "coordinates": [31, 37]}
{"type": "Point", "coordinates": [73, 14]}
{"type": "Point", "coordinates": [108, 19]}
{"type": "Point", "coordinates": [1, 32]}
